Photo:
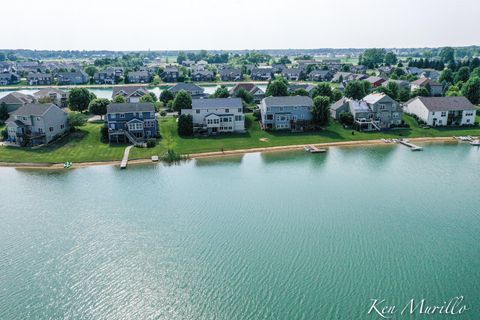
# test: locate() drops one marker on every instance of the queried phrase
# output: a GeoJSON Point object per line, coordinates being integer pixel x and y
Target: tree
{"type": "Point", "coordinates": [246, 96]}
{"type": "Point", "coordinates": [321, 110]}
{"type": "Point", "coordinates": [98, 106]}
{"type": "Point", "coordinates": [150, 97]}
{"type": "Point", "coordinates": [3, 111]}
{"type": "Point", "coordinates": [166, 96]}
{"type": "Point", "coordinates": [453, 91]}
{"type": "Point", "coordinates": [447, 54]}
{"type": "Point", "coordinates": [393, 90]}
{"type": "Point", "coordinates": [284, 60]}
{"type": "Point", "coordinates": [355, 90]}
{"type": "Point", "coordinates": [79, 99]}
{"type": "Point", "coordinates": [336, 95]}
{"type": "Point", "coordinates": [91, 70]}
{"type": "Point", "coordinates": [404, 95]}
{"type": "Point", "coordinates": [299, 92]}
{"type": "Point", "coordinates": [371, 58]}
{"type": "Point", "coordinates": [76, 119]}
{"type": "Point", "coordinates": [277, 88]}
{"type": "Point", "coordinates": [420, 92]}
{"type": "Point", "coordinates": [221, 92]}
{"type": "Point", "coordinates": [471, 90]}
{"type": "Point", "coordinates": [390, 58]}
{"type": "Point", "coordinates": [3, 57]}
{"type": "Point", "coordinates": [119, 99]}
{"type": "Point", "coordinates": [462, 74]}
{"type": "Point", "coordinates": [181, 57]}
{"type": "Point", "coordinates": [346, 118]}
{"type": "Point", "coordinates": [322, 89]}
{"type": "Point", "coordinates": [11, 56]}
{"type": "Point", "coordinates": [446, 76]}
{"type": "Point", "coordinates": [185, 125]}
{"type": "Point", "coordinates": [182, 101]}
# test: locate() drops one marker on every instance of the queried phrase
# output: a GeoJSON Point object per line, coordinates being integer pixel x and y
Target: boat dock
{"type": "Point", "coordinates": [123, 164]}
{"type": "Point", "coordinates": [412, 146]}
{"type": "Point", "coordinates": [312, 149]}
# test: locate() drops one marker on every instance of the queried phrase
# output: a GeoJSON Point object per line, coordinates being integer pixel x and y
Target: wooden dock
{"type": "Point", "coordinates": [312, 149]}
{"type": "Point", "coordinates": [123, 164]}
{"type": "Point", "coordinates": [412, 146]}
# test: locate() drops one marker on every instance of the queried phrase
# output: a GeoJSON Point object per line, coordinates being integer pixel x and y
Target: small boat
{"type": "Point", "coordinates": [67, 165]}
{"type": "Point", "coordinates": [154, 158]}
{"type": "Point", "coordinates": [475, 143]}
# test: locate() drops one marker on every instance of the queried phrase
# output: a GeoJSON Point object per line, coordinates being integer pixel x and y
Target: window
{"type": "Point", "coordinates": [444, 114]}
{"type": "Point", "coordinates": [468, 120]}
{"type": "Point", "coordinates": [140, 114]}
{"type": "Point", "coordinates": [433, 113]}
{"type": "Point", "coordinates": [197, 111]}
{"type": "Point", "coordinates": [122, 115]}
{"type": "Point", "coordinates": [227, 110]}
{"type": "Point", "coordinates": [38, 118]}
{"type": "Point", "coordinates": [382, 107]}
{"type": "Point", "coordinates": [50, 129]}
{"type": "Point", "coordinates": [239, 109]}
{"type": "Point", "coordinates": [113, 116]}
{"type": "Point", "coordinates": [62, 126]}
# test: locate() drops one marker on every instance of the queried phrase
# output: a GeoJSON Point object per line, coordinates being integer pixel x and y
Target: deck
{"type": "Point", "coordinates": [124, 163]}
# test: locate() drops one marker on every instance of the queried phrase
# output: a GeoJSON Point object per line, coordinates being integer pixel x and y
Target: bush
{"type": "Point", "coordinates": [104, 133]}
{"type": "Point", "coordinates": [163, 113]}
{"type": "Point", "coordinates": [76, 119]}
{"type": "Point", "coordinates": [4, 134]}
{"type": "Point", "coordinates": [151, 143]}
{"type": "Point", "coordinates": [185, 125]}
{"type": "Point", "coordinates": [257, 115]}
{"type": "Point", "coordinates": [171, 156]}
{"type": "Point", "coordinates": [346, 118]}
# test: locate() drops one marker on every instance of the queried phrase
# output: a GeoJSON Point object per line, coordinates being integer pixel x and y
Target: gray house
{"type": "Point", "coordinates": [286, 113]}
{"type": "Point", "coordinates": [131, 94]}
{"type": "Point", "coordinates": [257, 93]}
{"type": "Point", "coordinates": [36, 124]}
{"type": "Point", "coordinates": [142, 76]}
{"type": "Point", "coordinates": [231, 74]}
{"type": "Point", "coordinates": [195, 91]}
{"type": "Point", "coordinates": [436, 89]}
{"type": "Point", "coordinates": [293, 74]}
{"type": "Point", "coordinates": [262, 74]}
{"type": "Point", "coordinates": [56, 96]}
{"type": "Point", "coordinates": [38, 78]}
{"type": "Point", "coordinates": [7, 78]}
{"type": "Point", "coordinates": [75, 77]}
{"type": "Point", "coordinates": [15, 100]}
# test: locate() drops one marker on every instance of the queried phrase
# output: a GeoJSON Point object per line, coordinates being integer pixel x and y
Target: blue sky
{"type": "Point", "coordinates": [238, 24]}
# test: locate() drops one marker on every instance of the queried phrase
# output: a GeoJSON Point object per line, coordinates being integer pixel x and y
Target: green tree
{"type": "Point", "coordinates": [393, 90]}
{"type": "Point", "coordinates": [355, 90]}
{"type": "Point", "coordinates": [390, 58]}
{"type": "Point", "coordinates": [3, 111]}
{"type": "Point", "coordinates": [181, 57]}
{"type": "Point", "coordinates": [346, 118]}
{"type": "Point", "coordinates": [336, 95]}
{"type": "Point", "coordinates": [420, 92]}
{"type": "Point", "coordinates": [277, 88]}
{"type": "Point", "coordinates": [299, 92]}
{"type": "Point", "coordinates": [462, 74]}
{"type": "Point", "coordinates": [98, 106]}
{"type": "Point", "coordinates": [446, 76]}
{"type": "Point", "coordinates": [76, 119]}
{"type": "Point", "coordinates": [404, 95]}
{"type": "Point", "coordinates": [221, 92]}
{"type": "Point", "coordinates": [246, 96]}
{"type": "Point", "coordinates": [119, 99]}
{"type": "Point", "coordinates": [185, 125]}
{"type": "Point", "coordinates": [3, 57]}
{"type": "Point", "coordinates": [11, 56]}
{"type": "Point", "coordinates": [471, 90]}
{"type": "Point", "coordinates": [447, 54]}
{"type": "Point", "coordinates": [91, 70]}
{"type": "Point", "coordinates": [322, 89]}
{"type": "Point", "coordinates": [182, 101]}
{"type": "Point", "coordinates": [453, 91]}
{"type": "Point", "coordinates": [150, 97]}
{"type": "Point", "coordinates": [166, 96]}
{"type": "Point", "coordinates": [371, 58]}
{"type": "Point", "coordinates": [79, 99]}
{"type": "Point", "coordinates": [284, 60]}
{"type": "Point", "coordinates": [321, 110]}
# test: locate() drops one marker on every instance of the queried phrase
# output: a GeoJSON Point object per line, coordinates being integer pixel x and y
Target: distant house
{"type": "Point", "coordinates": [431, 73]}
{"type": "Point", "coordinates": [196, 92]}
{"type": "Point", "coordinates": [358, 68]}
{"type": "Point", "coordinates": [110, 75]}
{"type": "Point", "coordinates": [376, 111]}
{"type": "Point", "coordinates": [36, 124]}
{"type": "Point", "coordinates": [70, 78]}
{"type": "Point", "coordinates": [320, 75]}
{"type": "Point", "coordinates": [293, 74]}
{"type": "Point", "coordinates": [170, 74]}
{"type": "Point", "coordinates": [142, 76]}
{"type": "Point", "coordinates": [375, 81]}
{"type": "Point", "coordinates": [414, 71]}
{"type": "Point", "coordinates": [133, 122]}
{"type": "Point", "coordinates": [57, 96]}
{"type": "Point", "coordinates": [231, 74]}
{"type": "Point", "coordinates": [305, 86]}
{"type": "Point", "coordinates": [348, 76]}
{"type": "Point", "coordinates": [286, 113]}
{"type": "Point", "coordinates": [15, 100]}
{"type": "Point", "coordinates": [400, 83]}
{"type": "Point", "coordinates": [7, 78]}
{"type": "Point", "coordinates": [262, 74]}
{"type": "Point", "coordinates": [203, 75]}
{"type": "Point", "coordinates": [38, 78]}
{"type": "Point", "coordinates": [278, 68]}
{"type": "Point", "coordinates": [217, 115]}
{"type": "Point", "coordinates": [442, 111]}
{"type": "Point", "coordinates": [131, 94]}
{"type": "Point", "coordinates": [385, 71]}
{"type": "Point", "coordinates": [257, 93]}
{"type": "Point", "coordinates": [436, 89]}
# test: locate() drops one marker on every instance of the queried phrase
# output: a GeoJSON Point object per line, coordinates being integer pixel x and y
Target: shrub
{"type": "Point", "coordinates": [4, 134]}
{"type": "Point", "coordinates": [76, 119]}
{"type": "Point", "coordinates": [163, 113]}
{"type": "Point", "coordinates": [104, 133]}
{"type": "Point", "coordinates": [257, 114]}
{"type": "Point", "coordinates": [151, 143]}
{"type": "Point", "coordinates": [346, 118]}
{"type": "Point", "coordinates": [185, 125]}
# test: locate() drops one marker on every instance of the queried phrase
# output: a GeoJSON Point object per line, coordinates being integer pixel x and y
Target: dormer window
{"type": "Point", "coordinates": [122, 115]}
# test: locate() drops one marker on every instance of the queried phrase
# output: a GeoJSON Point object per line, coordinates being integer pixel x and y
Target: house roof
{"type": "Point", "coordinates": [424, 81]}
{"type": "Point", "coordinates": [187, 86]}
{"type": "Point", "coordinates": [374, 79]}
{"type": "Point", "coordinates": [306, 86]}
{"type": "Point", "coordinates": [33, 109]}
{"type": "Point", "coordinates": [339, 103]}
{"type": "Point", "coordinates": [373, 98]}
{"type": "Point", "coordinates": [217, 103]}
{"type": "Point", "coordinates": [130, 107]}
{"type": "Point", "coordinates": [46, 92]}
{"type": "Point", "coordinates": [288, 101]}
{"type": "Point", "coordinates": [128, 90]}
{"type": "Point", "coordinates": [16, 97]}
{"type": "Point", "coordinates": [446, 103]}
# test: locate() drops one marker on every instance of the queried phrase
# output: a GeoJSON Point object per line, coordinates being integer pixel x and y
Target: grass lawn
{"type": "Point", "coordinates": [84, 145]}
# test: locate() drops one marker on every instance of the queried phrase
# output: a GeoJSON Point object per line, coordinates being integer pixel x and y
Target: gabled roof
{"type": "Point", "coordinates": [288, 101]}
{"type": "Point", "coordinates": [33, 109]}
{"type": "Point", "coordinates": [424, 81]}
{"type": "Point", "coordinates": [445, 103]}
{"type": "Point", "coordinates": [130, 107]}
{"type": "Point", "coordinates": [374, 79]}
{"type": "Point", "coordinates": [128, 90]}
{"type": "Point", "coordinates": [187, 86]}
{"type": "Point", "coordinates": [217, 103]}
{"type": "Point", "coordinates": [339, 103]}
{"type": "Point", "coordinates": [16, 98]}
{"type": "Point", "coordinates": [48, 91]}
{"type": "Point", "coordinates": [373, 98]}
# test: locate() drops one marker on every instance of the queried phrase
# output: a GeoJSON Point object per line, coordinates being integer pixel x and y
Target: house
{"type": "Point", "coordinates": [231, 74]}
{"type": "Point", "coordinates": [217, 115]}
{"type": "Point", "coordinates": [414, 71]}
{"type": "Point", "coordinates": [257, 93]}
{"type": "Point", "coordinates": [7, 78]}
{"type": "Point", "coordinates": [170, 74]}
{"type": "Point", "coordinates": [375, 81]}
{"type": "Point", "coordinates": [442, 111]}
{"type": "Point", "coordinates": [75, 77]}
{"type": "Point", "coordinates": [142, 76]}
{"type": "Point", "coordinates": [293, 74]}
{"type": "Point", "coordinates": [320, 75]}
{"type": "Point", "coordinates": [262, 74]}
{"type": "Point", "coordinates": [435, 88]}
{"type": "Point", "coordinates": [110, 75]}
{"type": "Point", "coordinates": [131, 94]}
{"type": "Point", "coordinates": [385, 71]}
{"type": "Point", "coordinates": [203, 75]}
{"type": "Point", "coordinates": [430, 73]}
{"type": "Point", "coordinates": [56, 96]}
{"type": "Point", "coordinates": [28, 66]}
{"type": "Point", "coordinates": [38, 78]}
{"type": "Point", "coordinates": [133, 122]}
{"type": "Point", "coordinates": [376, 111]}
{"type": "Point", "coordinates": [348, 76]}
{"type": "Point", "coordinates": [36, 124]}
{"type": "Point", "coordinates": [296, 86]}
{"type": "Point", "coordinates": [286, 113]}
{"type": "Point", "coordinates": [15, 100]}
{"type": "Point", "coordinates": [403, 84]}
{"type": "Point", "coordinates": [196, 92]}
{"type": "Point", "coordinates": [278, 67]}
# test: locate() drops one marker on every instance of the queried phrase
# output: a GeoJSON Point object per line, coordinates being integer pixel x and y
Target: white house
{"type": "Point", "coordinates": [442, 111]}
{"type": "Point", "coordinates": [217, 115]}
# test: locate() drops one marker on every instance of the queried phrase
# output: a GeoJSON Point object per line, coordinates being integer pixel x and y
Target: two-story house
{"type": "Point", "coordinates": [75, 77]}
{"type": "Point", "coordinates": [293, 74]}
{"type": "Point", "coordinates": [262, 74]}
{"type": "Point", "coordinates": [286, 113]}
{"type": "Point", "coordinates": [435, 88]}
{"type": "Point", "coordinates": [7, 78]}
{"type": "Point", "coordinates": [231, 74]}
{"type": "Point", "coordinates": [170, 74]}
{"type": "Point", "coordinates": [55, 96]}
{"type": "Point", "coordinates": [132, 94]}
{"type": "Point", "coordinates": [142, 76]}
{"type": "Point", "coordinates": [38, 78]}
{"type": "Point", "coordinates": [36, 124]}
{"type": "Point", "coordinates": [203, 75]}
{"type": "Point", "coordinates": [196, 92]}
{"type": "Point", "coordinates": [217, 115]}
{"type": "Point", "coordinates": [133, 122]}
{"type": "Point", "coordinates": [110, 75]}
{"type": "Point", "coordinates": [15, 100]}
{"type": "Point", "coordinates": [257, 93]}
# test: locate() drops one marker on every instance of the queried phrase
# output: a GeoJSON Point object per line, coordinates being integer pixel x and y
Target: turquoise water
{"type": "Point", "coordinates": [263, 236]}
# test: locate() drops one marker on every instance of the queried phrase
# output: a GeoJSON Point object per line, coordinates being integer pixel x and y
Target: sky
{"type": "Point", "coordinates": [237, 24]}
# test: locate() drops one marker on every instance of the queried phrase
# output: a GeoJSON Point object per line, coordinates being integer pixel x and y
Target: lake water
{"type": "Point", "coordinates": [264, 236]}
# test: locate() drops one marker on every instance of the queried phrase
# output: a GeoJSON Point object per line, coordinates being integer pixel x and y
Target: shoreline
{"type": "Point", "coordinates": [219, 154]}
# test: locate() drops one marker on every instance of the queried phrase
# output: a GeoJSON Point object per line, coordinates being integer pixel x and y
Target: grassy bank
{"type": "Point", "coordinates": [85, 146]}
